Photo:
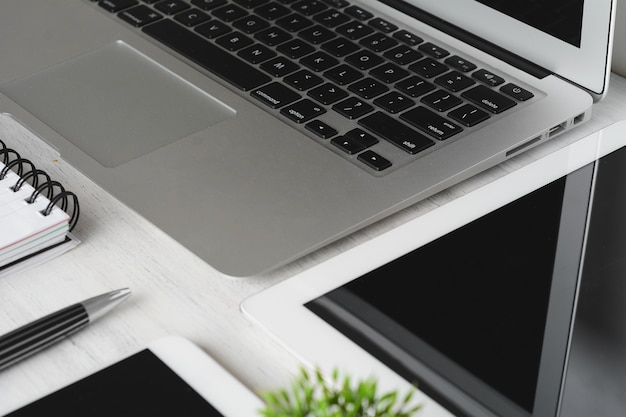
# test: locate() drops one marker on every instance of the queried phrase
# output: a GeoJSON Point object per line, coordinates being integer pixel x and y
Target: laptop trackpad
{"type": "Point", "coordinates": [115, 104]}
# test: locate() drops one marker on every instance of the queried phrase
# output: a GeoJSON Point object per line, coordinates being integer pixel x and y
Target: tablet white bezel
{"type": "Point", "coordinates": [200, 371]}
{"type": "Point", "coordinates": [587, 66]}
{"type": "Point", "coordinates": [280, 309]}
{"type": "Point", "coordinates": [208, 378]}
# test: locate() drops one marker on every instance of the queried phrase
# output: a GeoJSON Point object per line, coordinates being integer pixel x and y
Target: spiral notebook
{"type": "Point", "coordinates": [37, 214]}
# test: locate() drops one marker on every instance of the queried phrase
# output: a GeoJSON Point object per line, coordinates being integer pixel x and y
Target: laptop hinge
{"type": "Point", "coordinates": [473, 40]}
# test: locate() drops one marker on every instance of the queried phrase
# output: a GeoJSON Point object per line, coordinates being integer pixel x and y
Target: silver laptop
{"type": "Point", "coordinates": [255, 132]}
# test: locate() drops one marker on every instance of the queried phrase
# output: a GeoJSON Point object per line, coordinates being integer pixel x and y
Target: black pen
{"type": "Point", "coordinates": [31, 338]}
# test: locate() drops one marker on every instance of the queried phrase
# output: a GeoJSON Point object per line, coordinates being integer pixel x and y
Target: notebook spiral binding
{"type": "Point", "coordinates": [41, 182]}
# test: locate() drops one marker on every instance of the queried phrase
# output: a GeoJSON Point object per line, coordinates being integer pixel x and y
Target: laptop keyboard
{"type": "Point", "coordinates": [378, 94]}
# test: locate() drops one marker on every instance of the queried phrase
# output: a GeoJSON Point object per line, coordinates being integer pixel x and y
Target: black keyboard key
{"type": "Point", "coordinates": [171, 7]}
{"type": "Point", "coordinates": [389, 73]}
{"type": "Point", "coordinates": [518, 93]}
{"type": "Point", "coordinates": [340, 47]}
{"type": "Point", "coordinates": [327, 93]}
{"type": "Point", "coordinates": [250, 4]}
{"type": "Point", "coordinates": [343, 74]}
{"type": "Point", "coordinates": [309, 7]}
{"type": "Point", "coordinates": [115, 6]}
{"type": "Point", "coordinates": [348, 145]}
{"type": "Point", "coordinates": [460, 64]}
{"type": "Point", "coordinates": [275, 95]}
{"type": "Point", "coordinates": [396, 132]}
{"type": "Point", "coordinates": [229, 13]}
{"type": "Point", "coordinates": [373, 160]}
{"type": "Point", "coordinates": [403, 55]}
{"type": "Point", "coordinates": [319, 61]}
{"type": "Point", "coordinates": [213, 29]}
{"type": "Point", "coordinates": [191, 17]}
{"type": "Point", "coordinates": [358, 13]}
{"type": "Point", "coordinates": [415, 86]}
{"type": "Point", "coordinates": [433, 50]}
{"type": "Point", "coordinates": [435, 125]}
{"type": "Point", "coordinates": [303, 111]}
{"type": "Point", "coordinates": [407, 37]}
{"type": "Point", "coordinates": [272, 11]}
{"type": "Point", "coordinates": [488, 99]}
{"type": "Point", "coordinates": [454, 81]}
{"type": "Point", "coordinates": [331, 18]}
{"type": "Point", "coordinates": [383, 25]}
{"type": "Point", "coordinates": [139, 16]}
{"type": "Point", "coordinates": [321, 129]}
{"type": "Point", "coordinates": [354, 30]}
{"type": "Point", "coordinates": [394, 102]}
{"type": "Point", "coordinates": [303, 80]}
{"type": "Point", "coordinates": [232, 69]}
{"type": "Point", "coordinates": [364, 60]}
{"type": "Point", "coordinates": [256, 54]}
{"type": "Point", "coordinates": [441, 100]}
{"type": "Point", "coordinates": [361, 136]}
{"type": "Point", "coordinates": [208, 4]}
{"type": "Point", "coordinates": [428, 68]}
{"type": "Point", "coordinates": [378, 42]}
{"type": "Point", "coordinates": [337, 4]}
{"type": "Point", "coordinates": [272, 36]}
{"type": "Point", "coordinates": [295, 48]}
{"type": "Point", "coordinates": [250, 24]}
{"type": "Point", "coordinates": [368, 88]}
{"type": "Point", "coordinates": [294, 22]}
{"type": "Point", "coordinates": [488, 77]}
{"type": "Point", "coordinates": [279, 66]}
{"type": "Point", "coordinates": [353, 108]}
{"type": "Point", "coordinates": [468, 115]}
{"type": "Point", "coordinates": [234, 41]}
{"type": "Point", "coordinates": [316, 34]}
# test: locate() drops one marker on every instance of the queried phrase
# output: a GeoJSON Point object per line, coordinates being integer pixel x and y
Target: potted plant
{"type": "Point", "coordinates": [313, 395]}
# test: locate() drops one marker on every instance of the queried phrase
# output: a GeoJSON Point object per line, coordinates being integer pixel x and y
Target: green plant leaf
{"type": "Point", "coordinates": [314, 395]}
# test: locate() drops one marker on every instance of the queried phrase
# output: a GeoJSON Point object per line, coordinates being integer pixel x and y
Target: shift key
{"type": "Point", "coordinates": [396, 132]}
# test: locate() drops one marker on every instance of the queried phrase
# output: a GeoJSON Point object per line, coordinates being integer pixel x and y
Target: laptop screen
{"type": "Point", "coordinates": [562, 19]}
{"type": "Point", "coordinates": [488, 308]}
{"type": "Point", "coordinates": [570, 38]}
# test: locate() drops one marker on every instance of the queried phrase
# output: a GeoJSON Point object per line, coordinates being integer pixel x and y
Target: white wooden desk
{"type": "Point", "coordinates": [174, 292]}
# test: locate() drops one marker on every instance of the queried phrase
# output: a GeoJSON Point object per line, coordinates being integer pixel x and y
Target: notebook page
{"type": "Point", "coordinates": [25, 221]}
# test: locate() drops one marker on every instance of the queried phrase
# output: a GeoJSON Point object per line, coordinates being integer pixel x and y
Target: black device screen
{"type": "Point", "coordinates": [474, 305]}
{"type": "Point", "coordinates": [562, 19]}
{"type": "Point", "coordinates": [140, 385]}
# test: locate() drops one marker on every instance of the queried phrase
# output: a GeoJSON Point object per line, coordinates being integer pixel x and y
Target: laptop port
{"type": "Point", "coordinates": [523, 146]}
{"type": "Point", "coordinates": [556, 130]}
{"type": "Point", "coordinates": [579, 118]}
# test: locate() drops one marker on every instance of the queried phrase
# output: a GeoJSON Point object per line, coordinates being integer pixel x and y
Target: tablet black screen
{"type": "Point", "coordinates": [140, 385]}
{"type": "Point", "coordinates": [475, 305]}
{"type": "Point", "coordinates": [478, 295]}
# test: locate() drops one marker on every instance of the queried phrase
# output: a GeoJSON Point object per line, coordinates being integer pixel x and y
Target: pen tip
{"type": "Point", "coordinates": [100, 305]}
{"type": "Point", "coordinates": [122, 292]}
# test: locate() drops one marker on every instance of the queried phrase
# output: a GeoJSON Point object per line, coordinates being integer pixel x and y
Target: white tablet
{"type": "Point", "coordinates": [473, 301]}
{"type": "Point", "coordinates": [171, 377]}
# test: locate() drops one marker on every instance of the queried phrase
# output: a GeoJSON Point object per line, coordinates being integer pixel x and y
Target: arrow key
{"type": "Point", "coordinates": [321, 129]}
{"type": "Point", "coordinates": [360, 136]}
{"type": "Point", "coordinates": [347, 144]}
{"type": "Point", "coordinates": [373, 160]}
